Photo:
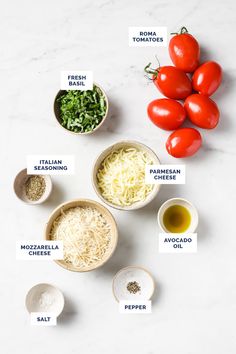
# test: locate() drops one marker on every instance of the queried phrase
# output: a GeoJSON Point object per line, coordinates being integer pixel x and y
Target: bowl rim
{"type": "Point", "coordinates": [78, 133]}
{"type": "Point", "coordinates": [137, 205]}
{"type": "Point", "coordinates": [115, 233]}
{"type": "Point", "coordinates": [49, 285]}
{"type": "Point", "coordinates": [39, 201]}
{"type": "Point", "coordinates": [133, 267]}
{"type": "Point", "coordinates": [176, 199]}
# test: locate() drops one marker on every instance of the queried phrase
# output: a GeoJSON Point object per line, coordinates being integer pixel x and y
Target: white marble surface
{"type": "Point", "coordinates": [194, 305]}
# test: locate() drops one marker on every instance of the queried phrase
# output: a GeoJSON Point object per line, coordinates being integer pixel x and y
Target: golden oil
{"type": "Point", "coordinates": [177, 219]}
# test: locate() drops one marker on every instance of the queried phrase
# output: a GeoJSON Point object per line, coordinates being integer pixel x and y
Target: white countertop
{"type": "Point", "coordinates": [194, 305]}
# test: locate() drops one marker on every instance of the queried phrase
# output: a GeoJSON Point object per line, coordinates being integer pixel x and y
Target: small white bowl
{"type": "Point", "coordinates": [105, 153]}
{"type": "Point", "coordinates": [45, 298]}
{"type": "Point", "coordinates": [183, 202]}
{"type": "Point", "coordinates": [131, 274]}
{"type": "Point", "coordinates": [19, 189]}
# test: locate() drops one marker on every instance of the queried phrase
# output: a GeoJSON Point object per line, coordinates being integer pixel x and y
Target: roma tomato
{"type": "Point", "coordinates": [167, 114]}
{"type": "Point", "coordinates": [171, 82]}
{"type": "Point", "coordinates": [207, 78]}
{"type": "Point", "coordinates": [184, 142]}
{"type": "Point", "coordinates": [202, 111]}
{"type": "Point", "coordinates": [184, 51]}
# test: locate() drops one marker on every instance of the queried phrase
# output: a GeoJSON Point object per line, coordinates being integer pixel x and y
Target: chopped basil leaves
{"type": "Point", "coordinates": [82, 111]}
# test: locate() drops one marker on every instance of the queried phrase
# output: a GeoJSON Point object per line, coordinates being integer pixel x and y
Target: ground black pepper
{"type": "Point", "coordinates": [133, 287]}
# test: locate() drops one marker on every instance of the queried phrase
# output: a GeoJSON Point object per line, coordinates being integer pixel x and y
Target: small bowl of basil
{"type": "Point", "coordinates": [81, 112]}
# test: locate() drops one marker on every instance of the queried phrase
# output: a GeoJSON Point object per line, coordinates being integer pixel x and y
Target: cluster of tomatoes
{"type": "Point", "coordinates": [175, 83]}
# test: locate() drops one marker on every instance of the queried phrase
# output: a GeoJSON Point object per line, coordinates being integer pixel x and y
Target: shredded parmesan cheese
{"type": "Point", "coordinates": [121, 178]}
{"type": "Point", "coordinates": [85, 233]}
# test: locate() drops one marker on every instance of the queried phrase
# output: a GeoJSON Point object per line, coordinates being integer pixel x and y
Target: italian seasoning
{"type": "Point", "coordinates": [35, 187]}
{"type": "Point", "coordinates": [133, 287]}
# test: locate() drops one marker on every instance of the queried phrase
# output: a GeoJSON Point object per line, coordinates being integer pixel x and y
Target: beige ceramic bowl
{"type": "Point", "coordinates": [133, 274]}
{"type": "Point", "coordinates": [183, 202]}
{"type": "Point", "coordinates": [57, 112]}
{"type": "Point", "coordinates": [105, 213]}
{"type": "Point", "coordinates": [105, 153]}
{"type": "Point", "coordinates": [19, 189]}
{"type": "Point", "coordinates": [47, 293]}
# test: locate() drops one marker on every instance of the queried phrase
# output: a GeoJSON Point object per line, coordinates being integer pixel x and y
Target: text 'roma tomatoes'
{"type": "Point", "coordinates": [170, 81]}
{"type": "Point", "coordinates": [184, 51]}
{"type": "Point", "coordinates": [202, 111]}
{"type": "Point", "coordinates": [167, 114]}
{"type": "Point", "coordinates": [207, 78]}
{"type": "Point", "coordinates": [184, 142]}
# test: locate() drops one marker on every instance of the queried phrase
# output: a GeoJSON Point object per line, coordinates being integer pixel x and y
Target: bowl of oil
{"type": "Point", "coordinates": [177, 215]}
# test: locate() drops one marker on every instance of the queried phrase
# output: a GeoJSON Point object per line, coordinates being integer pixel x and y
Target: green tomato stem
{"type": "Point", "coordinates": [182, 31]}
{"type": "Point", "coordinates": [151, 71]}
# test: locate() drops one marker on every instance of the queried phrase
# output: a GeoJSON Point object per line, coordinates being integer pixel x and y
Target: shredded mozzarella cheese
{"type": "Point", "coordinates": [121, 178]}
{"type": "Point", "coordinates": [85, 233]}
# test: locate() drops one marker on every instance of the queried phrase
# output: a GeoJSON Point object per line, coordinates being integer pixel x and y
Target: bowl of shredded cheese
{"type": "Point", "coordinates": [88, 231]}
{"type": "Point", "coordinates": [119, 175]}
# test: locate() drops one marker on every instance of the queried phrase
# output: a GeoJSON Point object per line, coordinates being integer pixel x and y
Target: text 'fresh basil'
{"type": "Point", "coordinates": [76, 80]}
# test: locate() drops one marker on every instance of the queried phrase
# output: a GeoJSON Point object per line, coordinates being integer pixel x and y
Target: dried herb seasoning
{"type": "Point", "coordinates": [35, 187]}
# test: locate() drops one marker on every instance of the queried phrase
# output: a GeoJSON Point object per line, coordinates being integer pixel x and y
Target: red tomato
{"type": "Point", "coordinates": [202, 111]}
{"type": "Point", "coordinates": [207, 78]}
{"type": "Point", "coordinates": [173, 83]}
{"type": "Point", "coordinates": [167, 114]}
{"type": "Point", "coordinates": [170, 81]}
{"type": "Point", "coordinates": [184, 142]}
{"type": "Point", "coordinates": [184, 51]}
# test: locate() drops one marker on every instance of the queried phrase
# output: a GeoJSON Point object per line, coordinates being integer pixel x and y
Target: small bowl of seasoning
{"type": "Point", "coordinates": [177, 215]}
{"type": "Point", "coordinates": [81, 112]}
{"type": "Point", "coordinates": [32, 189]}
{"type": "Point", "coordinates": [45, 298]}
{"type": "Point", "coordinates": [133, 283]}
